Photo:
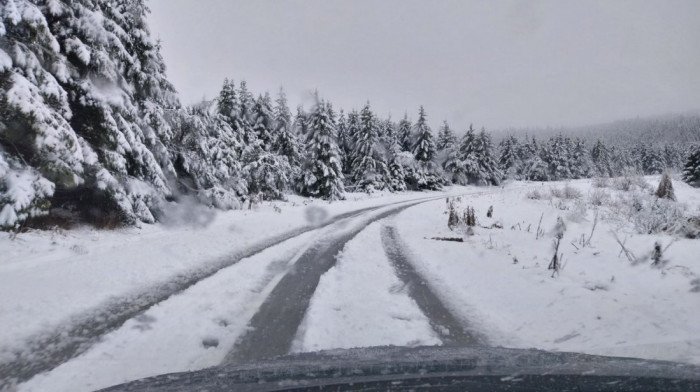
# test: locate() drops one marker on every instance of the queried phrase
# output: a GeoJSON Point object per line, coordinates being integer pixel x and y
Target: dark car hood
{"type": "Point", "coordinates": [435, 368]}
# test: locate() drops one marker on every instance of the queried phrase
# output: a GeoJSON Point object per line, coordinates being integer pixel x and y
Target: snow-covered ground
{"type": "Point", "coordinates": [599, 303]}
{"type": "Point", "coordinates": [496, 282]}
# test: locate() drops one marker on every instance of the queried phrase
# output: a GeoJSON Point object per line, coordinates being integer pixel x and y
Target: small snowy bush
{"type": "Point", "coordinates": [535, 194]}
{"type": "Point", "coordinates": [599, 197]}
{"type": "Point", "coordinates": [601, 182]}
{"type": "Point", "coordinates": [567, 192]}
{"type": "Point", "coordinates": [629, 182]}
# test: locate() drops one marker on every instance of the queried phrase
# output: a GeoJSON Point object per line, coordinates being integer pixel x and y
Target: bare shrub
{"type": "Point", "coordinates": [630, 181]}
{"type": "Point", "coordinates": [601, 182]}
{"type": "Point", "coordinates": [535, 194]}
{"type": "Point", "coordinates": [599, 197]}
{"type": "Point", "coordinates": [568, 192]}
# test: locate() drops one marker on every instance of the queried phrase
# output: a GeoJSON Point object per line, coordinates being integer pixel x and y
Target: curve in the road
{"type": "Point", "coordinates": [448, 327]}
{"type": "Point", "coordinates": [50, 349]}
{"type": "Point", "coordinates": [273, 328]}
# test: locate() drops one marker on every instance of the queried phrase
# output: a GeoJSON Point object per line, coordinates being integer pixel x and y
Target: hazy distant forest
{"type": "Point", "coordinates": [91, 128]}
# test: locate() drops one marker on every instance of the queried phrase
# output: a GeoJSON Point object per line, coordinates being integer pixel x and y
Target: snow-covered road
{"type": "Point", "coordinates": [282, 285]}
{"type": "Point", "coordinates": [374, 276]}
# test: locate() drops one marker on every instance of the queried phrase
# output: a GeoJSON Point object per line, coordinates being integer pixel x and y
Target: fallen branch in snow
{"type": "Point", "coordinates": [450, 239]}
{"type": "Point", "coordinates": [630, 256]}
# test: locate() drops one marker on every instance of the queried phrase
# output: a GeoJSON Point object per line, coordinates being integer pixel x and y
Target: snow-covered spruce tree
{"type": "Point", "coordinates": [534, 167]}
{"type": "Point", "coordinates": [301, 124]}
{"type": "Point", "coordinates": [369, 171]}
{"type": "Point", "coordinates": [424, 146]}
{"type": "Point", "coordinates": [349, 139]}
{"type": "Point", "coordinates": [556, 156]}
{"type": "Point", "coordinates": [673, 156]}
{"type": "Point", "coordinates": [425, 174]}
{"type": "Point", "coordinates": [344, 143]}
{"type": "Point", "coordinates": [206, 153]}
{"type": "Point", "coordinates": [665, 189]}
{"type": "Point", "coordinates": [94, 64]}
{"type": "Point", "coordinates": [691, 170]}
{"type": "Point", "coordinates": [404, 134]}
{"type": "Point", "coordinates": [245, 115]}
{"type": "Point", "coordinates": [262, 120]}
{"type": "Point", "coordinates": [509, 161]}
{"type": "Point", "coordinates": [322, 172]}
{"type": "Point", "coordinates": [602, 161]}
{"type": "Point", "coordinates": [38, 147]}
{"type": "Point", "coordinates": [489, 171]}
{"type": "Point", "coordinates": [446, 138]}
{"type": "Point", "coordinates": [473, 162]}
{"type": "Point", "coordinates": [265, 172]}
{"type": "Point", "coordinates": [580, 160]}
{"type": "Point", "coordinates": [285, 142]}
{"type": "Point", "coordinates": [652, 160]}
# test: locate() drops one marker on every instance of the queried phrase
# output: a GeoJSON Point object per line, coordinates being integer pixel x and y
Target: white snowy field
{"type": "Point", "coordinates": [598, 303]}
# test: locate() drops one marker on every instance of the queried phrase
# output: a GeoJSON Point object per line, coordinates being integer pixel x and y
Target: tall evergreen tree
{"type": "Point", "coordinates": [601, 160]}
{"type": "Point", "coordinates": [323, 176]}
{"type": "Point", "coordinates": [262, 116]}
{"type": "Point", "coordinates": [446, 138]}
{"type": "Point", "coordinates": [509, 160]}
{"type": "Point", "coordinates": [691, 170]}
{"type": "Point", "coordinates": [285, 142]}
{"type": "Point", "coordinates": [369, 169]}
{"type": "Point", "coordinates": [424, 146]}
{"type": "Point", "coordinates": [405, 135]}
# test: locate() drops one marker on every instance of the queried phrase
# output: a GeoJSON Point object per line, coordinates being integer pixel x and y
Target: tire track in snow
{"type": "Point", "coordinates": [273, 328]}
{"type": "Point", "coordinates": [50, 349]}
{"type": "Point", "coordinates": [448, 327]}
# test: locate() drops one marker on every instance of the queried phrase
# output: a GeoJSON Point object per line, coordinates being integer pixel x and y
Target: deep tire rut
{"type": "Point", "coordinates": [273, 328]}
{"type": "Point", "coordinates": [448, 327]}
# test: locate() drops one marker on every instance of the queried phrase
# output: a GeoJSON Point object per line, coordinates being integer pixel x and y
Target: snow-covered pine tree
{"type": "Point", "coordinates": [446, 138]}
{"type": "Point", "coordinates": [262, 120]}
{"type": "Point", "coordinates": [344, 143]}
{"type": "Point", "coordinates": [265, 172]}
{"type": "Point", "coordinates": [602, 161]}
{"type": "Point", "coordinates": [94, 64]}
{"type": "Point", "coordinates": [404, 134]}
{"type": "Point", "coordinates": [534, 167]}
{"type": "Point", "coordinates": [352, 133]}
{"type": "Point", "coordinates": [322, 175]}
{"type": "Point", "coordinates": [473, 162]}
{"type": "Point", "coordinates": [369, 171]}
{"type": "Point", "coordinates": [691, 169]}
{"type": "Point", "coordinates": [557, 158]}
{"type": "Point", "coordinates": [206, 153]}
{"type": "Point", "coordinates": [509, 161]}
{"type": "Point", "coordinates": [424, 147]}
{"type": "Point", "coordinates": [285, 142]}
{"type": "Point", "coordinates": [489, 173]}
{"type": "Point", "coordinates": [300, 125]}
{"type": "Point", "coordinates": [245, 113]}
{"type": "Point", "coordinates": [38, 147]}
{"type": "Point", "coordinates": [652, 160]}
{"type": "Point", "coordinates": [580, 160]}
{"type": "Point", "coordinates": [665, 189]}
{"type": "Point", "coordinates": [673, 156]}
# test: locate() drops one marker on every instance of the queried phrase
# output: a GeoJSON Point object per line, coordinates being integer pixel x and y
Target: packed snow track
{"type": "Point", "coordinates": [272, 329]}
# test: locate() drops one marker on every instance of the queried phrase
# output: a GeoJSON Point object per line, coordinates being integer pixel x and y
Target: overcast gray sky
{"type": "Point", "coordinates": [492, 63]}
